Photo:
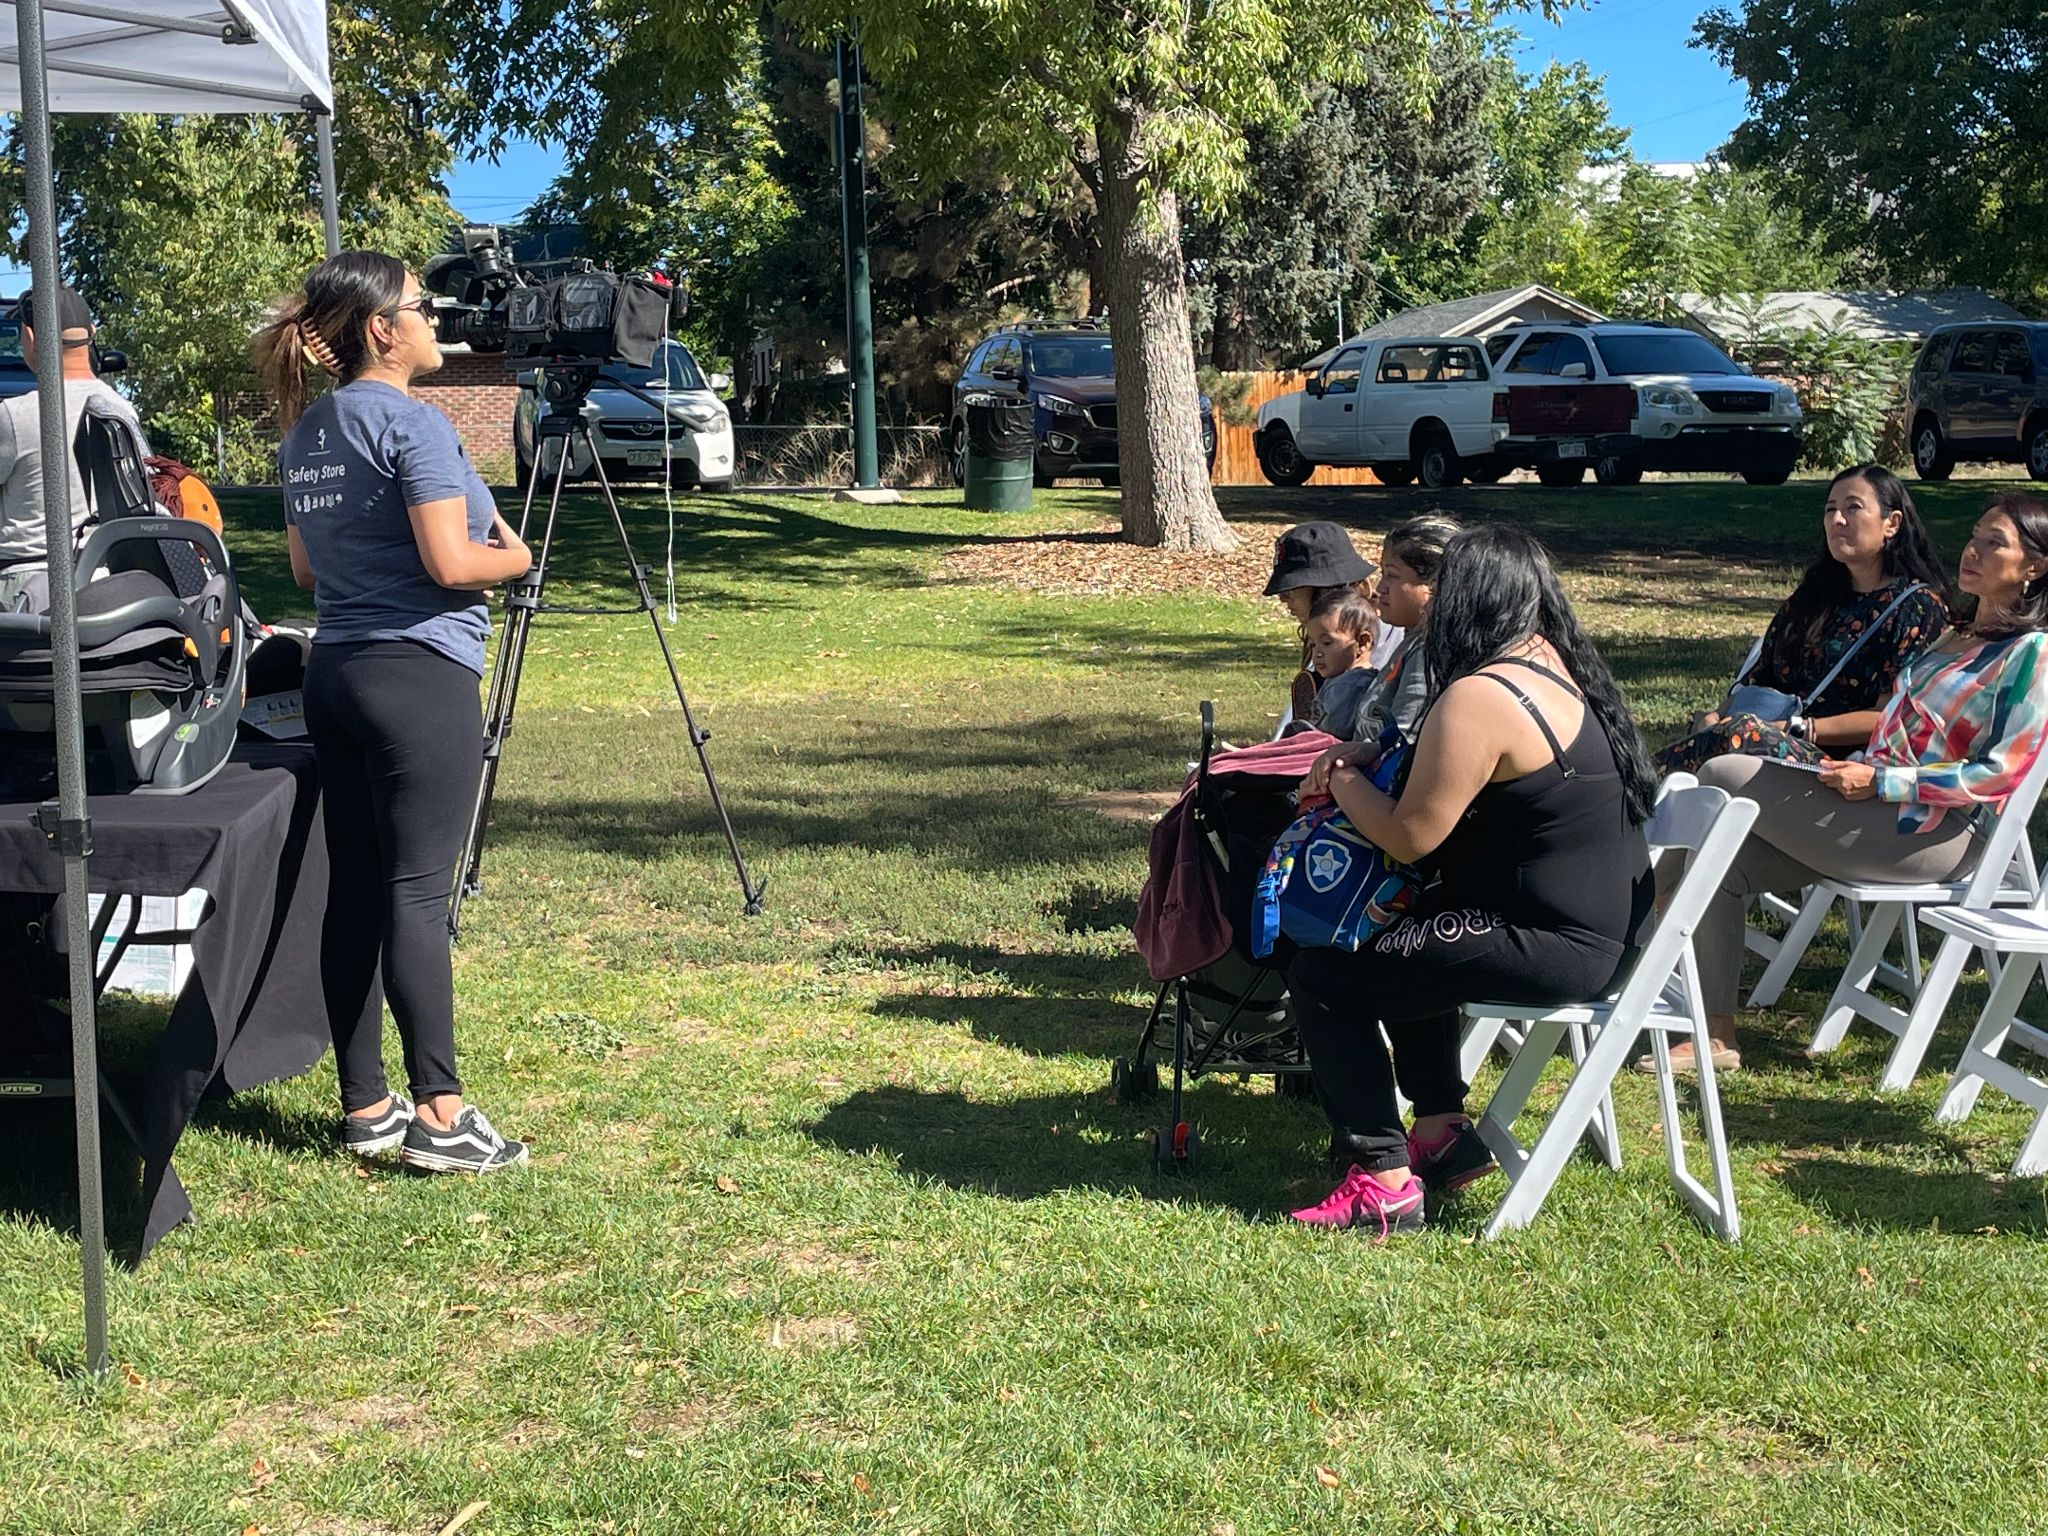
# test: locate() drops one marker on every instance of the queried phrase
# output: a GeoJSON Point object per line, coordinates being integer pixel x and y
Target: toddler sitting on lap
{"type": "Point", "coordinates": [1339, 631]}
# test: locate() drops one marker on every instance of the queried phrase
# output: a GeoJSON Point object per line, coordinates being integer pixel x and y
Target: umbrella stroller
{"type": "Point", "coordinates": [1217, 1010]}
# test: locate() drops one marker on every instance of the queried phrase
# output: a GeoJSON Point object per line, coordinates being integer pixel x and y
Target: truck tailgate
{"type": "Point", "coordinates": [1548, 410]}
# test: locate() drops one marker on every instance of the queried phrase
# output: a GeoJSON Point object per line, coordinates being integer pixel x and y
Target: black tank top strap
{"type": "Point", "coordinates": [1558, 678]}
{"type": "Point", "coordinates": [1564, 764]}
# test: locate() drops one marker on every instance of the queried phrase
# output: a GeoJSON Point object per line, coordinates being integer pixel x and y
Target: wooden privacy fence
{"type": "Point", "coordinates": [1237, 464]}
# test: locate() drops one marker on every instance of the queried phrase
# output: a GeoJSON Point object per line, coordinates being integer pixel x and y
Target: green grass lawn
{"type": "Point", "coordinates": [832, 1224]}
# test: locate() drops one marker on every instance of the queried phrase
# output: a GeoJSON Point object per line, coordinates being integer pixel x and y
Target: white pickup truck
{"type": "Point", "coordinates": [1409, 408]}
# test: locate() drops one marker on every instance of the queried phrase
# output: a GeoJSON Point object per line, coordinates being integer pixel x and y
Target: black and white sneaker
{"type": "Point", "coordinates": [371, 1138]}
{"type": "Point", "coordinates": [471, 1145]}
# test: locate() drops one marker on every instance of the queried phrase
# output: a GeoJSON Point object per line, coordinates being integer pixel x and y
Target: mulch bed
{"type": "Point", "coordinates": [1096, 561]}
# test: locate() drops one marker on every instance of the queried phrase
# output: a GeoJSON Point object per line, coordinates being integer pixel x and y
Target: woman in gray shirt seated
{"type": "Point", "coordinates": [398, 538]}
{"type": "Point", "coordinates": [1410, 558]}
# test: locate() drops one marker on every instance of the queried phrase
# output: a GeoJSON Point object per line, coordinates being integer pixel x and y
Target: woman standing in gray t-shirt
{"type": "Point", "coordinates": [398, 538]}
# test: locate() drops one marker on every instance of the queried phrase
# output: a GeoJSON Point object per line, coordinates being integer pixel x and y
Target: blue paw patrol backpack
{"type": "Point", "coordinates": [1325, 886]}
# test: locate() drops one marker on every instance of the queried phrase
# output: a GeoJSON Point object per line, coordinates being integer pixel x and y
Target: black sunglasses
{"type": "Point", "coordinates": [424, 304]}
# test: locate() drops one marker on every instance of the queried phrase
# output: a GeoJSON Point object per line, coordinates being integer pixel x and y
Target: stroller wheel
{"type": "Point", "coordinates": [1295, 1085]}
{"type": "Point", "coordinates": [1130, 1082]}
{"type": "Point", "coordinates": [1174, 1147]}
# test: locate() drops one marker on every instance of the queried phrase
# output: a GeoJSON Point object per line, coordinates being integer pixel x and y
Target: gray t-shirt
{"type": "Point", "coordinates": [21, 467]}
{"type": "Point", "coordinates": [1398, 695]}
{"type": "Point", "coordinates": [1338, 699]}
{"type": "Point", "coordinates": [351, 466]}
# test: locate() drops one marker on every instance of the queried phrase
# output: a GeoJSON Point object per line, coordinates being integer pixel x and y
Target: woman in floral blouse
{"type": "Point", "coordinates": [1951, 744]}
{"type": "Point", "coordinates": [1874, 548]}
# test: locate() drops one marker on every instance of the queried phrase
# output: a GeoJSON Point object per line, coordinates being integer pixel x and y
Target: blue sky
{"type": "Point", "coordinates": [1680, 103]}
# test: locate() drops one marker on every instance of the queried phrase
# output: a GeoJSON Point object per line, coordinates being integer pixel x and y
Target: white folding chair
{"type": "Point", "coordinates": [1782, 952]}
{"type": "Point", "coordinates": [2005, 877]}
{"type": "Point", "coordinates": [2020, 940]}
{"type": "Point", "coordinates": [1483, 1032]}
{"type": "Point", "coordinates": [1662, 995]}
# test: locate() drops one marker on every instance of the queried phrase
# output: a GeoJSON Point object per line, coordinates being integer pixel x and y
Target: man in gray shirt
{"type": "Point", "coordinates": [24, 582]}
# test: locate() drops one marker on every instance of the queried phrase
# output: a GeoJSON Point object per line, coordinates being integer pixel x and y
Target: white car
{"type": "Point", "coordinates": [1421, 408]}
{"type": "Point", "coordinates": [625, 411]}
{"type": "Point", "coordinates": [1696, 408]}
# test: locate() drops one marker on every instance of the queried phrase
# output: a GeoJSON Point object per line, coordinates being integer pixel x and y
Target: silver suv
{"type": "Point", "coordinates": [1696, 407]}
{"type": "Point", "coordinates": [1980, 393]}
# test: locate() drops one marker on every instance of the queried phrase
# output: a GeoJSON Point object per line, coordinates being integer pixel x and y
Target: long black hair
{"type": "Point", "coordinates": [325, 325]}
{"type": "Point", "coordinates": [2028, 515]}
{"type": "Point", "coordinates": [1496, 590]}
{"type": "Point", "coordinates": [1824, 586]}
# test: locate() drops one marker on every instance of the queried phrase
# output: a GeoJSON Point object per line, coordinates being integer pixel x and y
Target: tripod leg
{"type": "Point", "coordinates": [522, 601]}
{"type": "Point", "coordinates": [752, 894]}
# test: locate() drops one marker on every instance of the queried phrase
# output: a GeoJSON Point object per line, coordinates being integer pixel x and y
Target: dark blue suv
{"type": "Point", "coordinates": [1065, 369]}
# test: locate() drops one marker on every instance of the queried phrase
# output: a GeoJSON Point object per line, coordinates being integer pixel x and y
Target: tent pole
{"type": "Point", "coordinates": [330, 194]}
{"type": "Point", "coordinates": [66, 823]}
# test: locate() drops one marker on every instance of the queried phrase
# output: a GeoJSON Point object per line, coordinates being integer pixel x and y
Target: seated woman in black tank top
{"type": "Point", "coordinates": [1525, 803]}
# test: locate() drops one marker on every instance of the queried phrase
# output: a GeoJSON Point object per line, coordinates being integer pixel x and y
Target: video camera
{"type": "Point", "coordinates": [561, 310]}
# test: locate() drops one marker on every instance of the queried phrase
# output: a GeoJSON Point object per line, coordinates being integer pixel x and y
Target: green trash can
{"type": "Point", "coordinates": [1001, 440]}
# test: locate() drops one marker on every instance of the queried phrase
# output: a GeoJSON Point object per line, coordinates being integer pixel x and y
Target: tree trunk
{"type": "Point", "coordinates": [1232, 348]}
{"type": "Point", "coordinates": [1167, 501]}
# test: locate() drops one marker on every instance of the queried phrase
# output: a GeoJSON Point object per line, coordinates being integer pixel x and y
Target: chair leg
{"type": "Point", "coordinates": [2033, 1158]}
{"type": "Point", "coordinates": [1476, 1044]}
{"type": "Point", "coordinates": [1715, 1208]}
{"type": "Point", "coordinates": [1719, 1213]}
{"type": "Point", "coordinates": [1857, 975]}
{"type": "Point", "coordinates": [1591, 1082]}
{"type": "Point", "coordinates": [1988, 1039]}
{"type": "Point", "coordinates": [1603, 1132]}
{"type": "Point", "coordinates": [1936, 987]}
{"type": "Point", "coordinates": [1792, 947]}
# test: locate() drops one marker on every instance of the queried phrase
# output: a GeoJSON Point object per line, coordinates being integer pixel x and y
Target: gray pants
{"type": "Point", "coordinates": [1805, 831]}
{"type": "Point", "coordinates": [25, 589]}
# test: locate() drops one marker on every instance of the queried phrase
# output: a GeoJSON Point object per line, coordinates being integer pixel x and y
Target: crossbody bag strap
{"type": "Point", "coordinates": [1806, 705]}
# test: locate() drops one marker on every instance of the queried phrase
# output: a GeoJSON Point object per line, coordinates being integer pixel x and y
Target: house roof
{"type": "Point", "coordinates": [1878, 316]}
{"type": "Point", "coordinates": [1462, 317]}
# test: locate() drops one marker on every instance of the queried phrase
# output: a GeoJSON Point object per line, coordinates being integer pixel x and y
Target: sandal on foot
{"type": "Point", "coordinates": [1726, 1058]}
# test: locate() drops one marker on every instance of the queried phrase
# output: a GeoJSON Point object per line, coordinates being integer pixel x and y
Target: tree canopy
{"type": "Point", "coordinates": [1148, 103]}
{"type": "Point", "coordinates": [180, 230]}
{"type": "Point", "coordinates": [1907, 133]}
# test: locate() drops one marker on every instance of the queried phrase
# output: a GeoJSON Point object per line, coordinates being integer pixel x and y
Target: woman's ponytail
{"type": "Point", "coordinates": [325, 325]}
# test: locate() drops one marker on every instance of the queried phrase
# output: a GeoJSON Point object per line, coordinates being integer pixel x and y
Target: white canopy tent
{"type": "Point", "coordinates": [155, 56]}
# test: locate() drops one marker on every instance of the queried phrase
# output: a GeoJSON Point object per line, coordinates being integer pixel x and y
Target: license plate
{"type": "Point", "coordinates": [1572, 448]}
{"type": "Point", "coordinates": [648, 458]}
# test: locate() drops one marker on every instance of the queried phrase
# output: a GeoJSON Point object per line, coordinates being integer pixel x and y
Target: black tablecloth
{"type": "Point", "coordinates": [253, 1010]}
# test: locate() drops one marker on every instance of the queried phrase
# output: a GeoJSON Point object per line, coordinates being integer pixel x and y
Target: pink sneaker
{"type": "Point", "coordinates": [1363, 1201]}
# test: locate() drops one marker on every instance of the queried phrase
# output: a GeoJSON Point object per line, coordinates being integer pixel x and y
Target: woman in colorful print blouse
{"type": "Point", "coordinates": [1956, 737]}
{"type": "Point", "coordinates": [1874, 548]}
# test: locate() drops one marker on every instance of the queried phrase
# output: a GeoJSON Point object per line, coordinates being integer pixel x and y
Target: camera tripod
{"type": "Point", "coordinates": [564, 388]}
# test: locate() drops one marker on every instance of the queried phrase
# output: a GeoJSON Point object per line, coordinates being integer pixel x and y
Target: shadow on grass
{"type": "Point", "coordinates": [1051, 1005]}
{"type": "Point", "coordinates": [253, 1117]}
{"type": "Point", "coordinates": [982, 797]}
{"type": "Point", "coordinates": [1800, 1122]}
{"type": "Point", "coordinates": [1256, 1155]}
{"type": "Point", "coordinates": [1911, 1200]}
{"type": "Point", "coordinates": [39, 1176]}
{"type": "Point", "coordinates": [1901, 1193]}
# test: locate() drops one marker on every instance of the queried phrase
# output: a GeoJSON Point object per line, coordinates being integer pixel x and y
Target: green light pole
{"type": "Point", "coordinates": [853, 204]}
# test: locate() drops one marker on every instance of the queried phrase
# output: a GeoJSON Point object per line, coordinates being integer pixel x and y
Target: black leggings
{"type": "Point", "coordinates": [399, 734]}
{"type": "Point", "coordinates": [1414, 979]}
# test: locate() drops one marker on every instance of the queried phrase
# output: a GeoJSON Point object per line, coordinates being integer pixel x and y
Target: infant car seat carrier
{"type": "Point", "coordinates": [161, 640]}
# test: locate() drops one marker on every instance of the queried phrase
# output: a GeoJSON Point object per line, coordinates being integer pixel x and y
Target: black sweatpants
{"type": "Point", "coordinates": [1414, 979]}
{"type": "Point", "coordinates": [399, 733]}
